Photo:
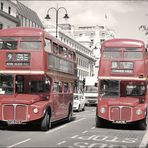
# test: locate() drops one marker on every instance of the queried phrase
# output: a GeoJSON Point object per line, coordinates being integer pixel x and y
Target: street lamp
{"type": "Point", "coordinates": [57, 11]}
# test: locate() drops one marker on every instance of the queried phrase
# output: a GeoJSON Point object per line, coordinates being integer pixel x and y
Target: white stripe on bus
{"type": "Point", "coordinates": [122, 78]}
{"type": "Point", "coordinates": [21, 72]}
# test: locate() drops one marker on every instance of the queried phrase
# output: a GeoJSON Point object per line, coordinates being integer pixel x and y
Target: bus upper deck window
{"type": "Point", "coordinates": [47, 45]}
{"type": "Point", "coordinates": [8, 43]}
{"type": "Point", "coordinates": [30, 43]}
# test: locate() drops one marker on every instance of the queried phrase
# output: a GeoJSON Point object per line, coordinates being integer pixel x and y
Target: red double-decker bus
{"type": "Point", "coordinates": [37, 75]}
{"type": "Point", "coordinates": [122, 80]}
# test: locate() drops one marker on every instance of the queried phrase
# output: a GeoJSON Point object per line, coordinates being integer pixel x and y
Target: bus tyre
{"type": "Point", "coordinates": [98, 122]}
{"type": "Point", "coordinates": [69, 117]}
{"type": "Point", "coordinates": [142, 124]}
{"type": "Point", "coordinates": [46, 122]}
{"type": "Point", "coordinates": [3, 126]}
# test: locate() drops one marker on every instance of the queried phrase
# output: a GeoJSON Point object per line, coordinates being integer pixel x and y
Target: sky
{"type": "Point", "coordinates": [124, 17]}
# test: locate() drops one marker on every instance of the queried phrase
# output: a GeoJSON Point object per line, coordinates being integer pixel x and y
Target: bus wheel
{"type": "Point", "coordinates": [3, 125]}
{"type": "Point", "coordinates": [45, 122]}
{"type": "Point", "coordinates": [98, 122]}
{"type": "Point", "coordinates": [69, 117]}
{"type": "Point", "coordinates": [142, 124]}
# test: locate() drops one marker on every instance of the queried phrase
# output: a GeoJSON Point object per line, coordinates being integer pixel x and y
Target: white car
{"type": "Point", "coordinates": [79, 102]}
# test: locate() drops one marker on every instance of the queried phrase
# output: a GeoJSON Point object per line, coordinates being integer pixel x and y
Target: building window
{"type": "Point", "coordinates": [9, 10]}
{"type": "Point", "coordinates": [1, 26]}
{"type": "Point", "coordinates": [2, 6]}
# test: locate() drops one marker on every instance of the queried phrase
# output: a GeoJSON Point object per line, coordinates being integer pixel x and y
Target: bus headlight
{"type": "Point", "coordinates": [138, 112]}
{"type": "Point", "coordinates": [102, 110]}
{"type": "Point", "coordinates": [35, 110]}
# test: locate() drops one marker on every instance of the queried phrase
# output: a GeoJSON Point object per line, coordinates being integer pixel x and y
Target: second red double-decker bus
{"type": "Point", "coordinates": [122, 78]}
{"type": "Point", "coordinates": [37, 75]}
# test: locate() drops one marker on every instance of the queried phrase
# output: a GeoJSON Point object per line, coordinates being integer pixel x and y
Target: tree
{"type": "Point", "coordinates": [144, 28]}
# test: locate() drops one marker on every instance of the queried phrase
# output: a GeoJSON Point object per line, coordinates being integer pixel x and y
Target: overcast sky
{"type": "Point", "coordinates": [124, 17]}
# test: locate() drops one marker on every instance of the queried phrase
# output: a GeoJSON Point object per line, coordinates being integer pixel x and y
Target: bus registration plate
{"type": "Point", "coordinates": [13, 122]}
{"type": "Point", "coordinates": [119, 122]}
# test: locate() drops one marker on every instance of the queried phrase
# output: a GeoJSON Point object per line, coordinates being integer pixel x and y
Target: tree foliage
{"type": "Point", "coordinates": [144, 28]}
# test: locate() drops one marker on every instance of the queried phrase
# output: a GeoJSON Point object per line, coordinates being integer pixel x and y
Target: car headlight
{"type": "Point", "coordinates": [138, 112]}
{"type": "Point", "coordinates": [35, 110]}
{"type": "Point", "coordinates": [102, 110]}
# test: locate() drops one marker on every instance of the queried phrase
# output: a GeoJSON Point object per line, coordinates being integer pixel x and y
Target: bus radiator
{"type": "Point", "coordinates": [15, 112]}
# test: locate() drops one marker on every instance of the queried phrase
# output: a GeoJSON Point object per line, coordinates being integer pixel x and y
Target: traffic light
{"type": "Point", "coordinates": [83, 83]}
{"type": "Point", "coordinates": [76, 83]}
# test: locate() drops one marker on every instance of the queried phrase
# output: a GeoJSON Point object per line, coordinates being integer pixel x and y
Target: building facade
{"type": "Point", "coordinates": [13, 13]}
{"type": "Point", "coordinates": [27, 17]}
{"type": "Point", "coordinates": [8, 14]}
{"type": "Point", "coordinates": [92, 37]}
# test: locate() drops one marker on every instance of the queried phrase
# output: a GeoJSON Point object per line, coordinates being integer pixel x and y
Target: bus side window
{"type": "Point", "coordinates": [55, 48]}
{"type": "Point", "coordinates": [71, 87]}
{"type": "Point", "coordinates": [55, 87]}
{"type": "Point", "coordinates": [60, 87]}
{"type": "Point", "coordinates": [61, 51]}
{"type": "Point", "coordinates": [47, 45]}
{"type": "Point", "coordinates": [66, 87]}
{"type": "Point", "coordinates": [65, 52]}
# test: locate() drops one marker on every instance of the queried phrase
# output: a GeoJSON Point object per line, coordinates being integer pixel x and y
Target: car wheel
{"type": "Point", "coordinates": [79, 108]}
{"type": "Point", "coordinates": [83, 108]}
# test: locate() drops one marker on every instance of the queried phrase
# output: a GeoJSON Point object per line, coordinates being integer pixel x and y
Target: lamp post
{"type": "Point", "coordinates": [57, 14]}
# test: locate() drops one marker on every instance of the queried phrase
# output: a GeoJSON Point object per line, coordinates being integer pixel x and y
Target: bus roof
{"type": "Point", "coordinates": [21, 31]}
{"type": "Point", "coordinates": [28, 31]}
{"type": "Point", "coordinates": [123, 43]}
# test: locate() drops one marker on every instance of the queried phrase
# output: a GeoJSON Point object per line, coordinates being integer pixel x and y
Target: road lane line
{"type": "Point", "coordinates": [85, 132]}
{"type": "Point", "coordinates": [144, 141]}
{"type": "Point", "coordinates": [79, 120]}
{"type": "Point", "coordinates": [74, 136]}
{"type": "Point", "coordinates": [53, 130]}
{"type": "Point", "coordinates": [61, 142]}
{"type": "Point", "coordinates": [18, 143]}
{"type": "Point", "coordinates": [93, 128]}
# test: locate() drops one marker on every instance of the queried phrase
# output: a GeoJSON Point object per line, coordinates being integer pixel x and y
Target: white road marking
{"type": "Point", "coordinates": [74, 136]}
{"type": "Point", "coordinates": [61, 142]}
{"type": "Point", "coordinates": [18, 143]}
{"type": "Point", "coordinates": [144, 141]}
{"type": "Point", "coordinates": [85, 132]}
{"type": "Point", "coordinates": [79, 120]}
{"type": "Point", "coordinates": [53, 130]}
{"type": "Point", "coordinates": [93, 128]}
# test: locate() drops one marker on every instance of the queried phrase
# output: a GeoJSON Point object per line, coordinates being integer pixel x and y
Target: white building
{"type": "Point", "coordinates": [13, 13]}
{"type": "Point", "coordinates": [8, 14]}
{"type": "Point", "coordinates": [92, 37]}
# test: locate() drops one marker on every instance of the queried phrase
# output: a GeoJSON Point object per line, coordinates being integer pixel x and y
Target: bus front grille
{"type": "Point", "coordinates": [15, 112]}
{"type": "Point", "coordinates": [120, 113]}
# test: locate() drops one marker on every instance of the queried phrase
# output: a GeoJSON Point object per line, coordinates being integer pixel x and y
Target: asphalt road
{"type": "Point", "coordinates": [81, 132]}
